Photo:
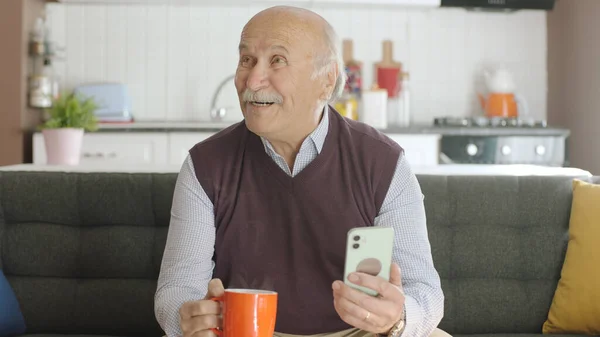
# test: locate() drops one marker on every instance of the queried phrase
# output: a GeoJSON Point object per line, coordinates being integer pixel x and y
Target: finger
{"type": "Point", "coordinates": [197, 308]}
{"type": "Point", "coordinates": [368, 302]}
{"type": "Point", "coordinates": [205, 333]}
{"type": "Point", "coordinates": [350, 309]}
{"type": "Point", "coordinates": [396, 276]}
{"type": "Point", "coordinates": [385, 308]}
{"type": "Point", "coordinates": [215, 289]}
{"type": "Point", "coordinates": [384, 288]}
{"type": "Point", "coordinates": [199, 323]}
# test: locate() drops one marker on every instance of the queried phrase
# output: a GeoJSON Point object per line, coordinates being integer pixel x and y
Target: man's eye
{"type": "Point", "coordinates": [278, 59]}
{"type": "Point", "coordinates": [245, 60]}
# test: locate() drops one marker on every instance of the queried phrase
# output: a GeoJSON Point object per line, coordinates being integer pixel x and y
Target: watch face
{"type": "Point", "coordinates": [398, 329]}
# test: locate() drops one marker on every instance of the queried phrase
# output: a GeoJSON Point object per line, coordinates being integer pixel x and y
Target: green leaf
{"type": "Point", "coordinates": [72, 111]}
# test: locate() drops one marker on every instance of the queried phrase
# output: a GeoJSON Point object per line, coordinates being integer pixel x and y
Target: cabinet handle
{"type": "Point", "coordinates": [92, 155]}
{"type": "Point", "coordinates": [99, 155]}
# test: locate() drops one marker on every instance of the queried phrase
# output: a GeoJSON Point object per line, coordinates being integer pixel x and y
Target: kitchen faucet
{"type": "Point", "coordinates": [219, 113]}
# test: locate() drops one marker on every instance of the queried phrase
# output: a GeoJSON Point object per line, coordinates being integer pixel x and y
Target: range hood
{"type": "Point", "coordinates": [500, 5]}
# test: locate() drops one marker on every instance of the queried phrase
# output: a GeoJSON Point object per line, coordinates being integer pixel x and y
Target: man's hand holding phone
{"type": "Point", "coordinates": [369, 313]}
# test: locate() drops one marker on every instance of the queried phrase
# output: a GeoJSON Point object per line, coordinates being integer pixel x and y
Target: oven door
{"type": "Point", "coordinates": [534, 150]}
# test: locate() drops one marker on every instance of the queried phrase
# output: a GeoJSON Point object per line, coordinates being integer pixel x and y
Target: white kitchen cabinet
{"type": "Point", "coordinates": [171, 148]}
{"type": "Point", "coordinates": [183, 2]}
{"type": "Point", "coordinates": [414, 3]}
{"type": "Point", "coordinates": [114, 148]}
{"type": "Point", "coordinates": [421, 150]}
{"type": "Point", "coordinates": [180, 144]}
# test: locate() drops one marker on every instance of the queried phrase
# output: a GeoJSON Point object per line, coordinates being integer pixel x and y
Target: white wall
{"type": "Point", "coordinates": [574, 85]}
{"type": "Point", "coordinates": [173, 57]}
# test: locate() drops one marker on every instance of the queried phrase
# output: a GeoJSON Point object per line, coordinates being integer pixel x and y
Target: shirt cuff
{"type": "Point", "coordinates": [413, 316]}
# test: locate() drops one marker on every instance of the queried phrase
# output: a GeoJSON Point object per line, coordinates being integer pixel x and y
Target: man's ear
{"type": "Point", "coordinates": [330, 79]}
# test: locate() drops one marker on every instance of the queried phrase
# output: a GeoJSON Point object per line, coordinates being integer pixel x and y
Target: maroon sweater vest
{"type": "Point", "coordinates": [288, 234]}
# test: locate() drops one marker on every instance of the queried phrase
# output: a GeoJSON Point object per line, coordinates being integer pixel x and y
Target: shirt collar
{"type": "Point", "coordinates": [317, 137]}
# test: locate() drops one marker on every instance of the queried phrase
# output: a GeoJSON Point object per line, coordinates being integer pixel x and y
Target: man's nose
{"type": "Point", "coordinates": [258, 78]}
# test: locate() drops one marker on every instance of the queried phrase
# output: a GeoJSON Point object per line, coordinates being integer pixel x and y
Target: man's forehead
{"type": "Point", "coordinates": [258, 43]}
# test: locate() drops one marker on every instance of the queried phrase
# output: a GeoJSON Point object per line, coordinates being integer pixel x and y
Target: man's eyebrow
{"type": "Point", "coordinates": [280, 47]}
{"type": "Point", "coordinates": [244, 46]}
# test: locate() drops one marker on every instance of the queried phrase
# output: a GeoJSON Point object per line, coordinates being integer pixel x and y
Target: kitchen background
{"type": "Point", "coordinates": [172, 57]}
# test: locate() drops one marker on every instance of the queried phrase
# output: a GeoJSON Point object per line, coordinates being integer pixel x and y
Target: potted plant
{"type": "Point", "coordinates": [68, 118]}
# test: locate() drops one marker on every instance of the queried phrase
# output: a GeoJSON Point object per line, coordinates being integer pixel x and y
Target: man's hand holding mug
{"type": "Point", "coordinates": [197, 318]}
{"type": "Point", "coordinates": [245, 312]}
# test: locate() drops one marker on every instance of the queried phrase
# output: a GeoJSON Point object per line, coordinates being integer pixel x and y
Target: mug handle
{"type": "Point", "coordinates": [217, 331]}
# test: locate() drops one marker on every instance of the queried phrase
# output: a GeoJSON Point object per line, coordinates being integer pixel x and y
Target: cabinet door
{"type": "Point", "coordinates": [420, 150]}
{"type": "Point", "coordinates": [114, 147]}
{"type": "Point", "coordinates": [414, 3]}
{"type": "Point", "coordinates": [180, 144]}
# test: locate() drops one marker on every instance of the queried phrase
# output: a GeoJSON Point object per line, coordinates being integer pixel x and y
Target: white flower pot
{"type": "Point", "coordinates": [63, 146]}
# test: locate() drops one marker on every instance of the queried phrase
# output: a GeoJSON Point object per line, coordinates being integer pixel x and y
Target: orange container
{"type": "Point", "coordinates": [500, 105]}
{"type": "Point", "coordinates": [248, 313]}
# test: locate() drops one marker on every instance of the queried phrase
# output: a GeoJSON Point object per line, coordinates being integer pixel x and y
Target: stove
{"type": "Point", "coordinates": [486, 122]}
{"type": "Point", "coordinates": [482, 140]}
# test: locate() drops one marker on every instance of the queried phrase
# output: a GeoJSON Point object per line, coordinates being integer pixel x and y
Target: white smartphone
{"type": "Point", "coordinates": [369, 250]}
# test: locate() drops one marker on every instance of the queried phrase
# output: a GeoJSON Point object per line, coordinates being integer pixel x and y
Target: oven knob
{"type": "Point", "coordinates": [540, 150]}
{"type": "Point", "coordinates": [472, 149]}
{"type": "Point", "coordinates": [506, 150]}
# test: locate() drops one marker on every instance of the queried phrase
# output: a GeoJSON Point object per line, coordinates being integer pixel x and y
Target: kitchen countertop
{"type": "Point", "coordinates": [453, 169]}
{"type": "Point", "coordinates": [196, 126]}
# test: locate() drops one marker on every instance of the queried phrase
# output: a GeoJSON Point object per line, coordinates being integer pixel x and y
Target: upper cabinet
{"type": "Point", "coordinates": [412, 3]}
{"type": "Point", "coordinates": [184, 2]}
{"type": "Point", "coordinates": [415, 3]}
{"type": "Point", "coordinates": [116, 2]}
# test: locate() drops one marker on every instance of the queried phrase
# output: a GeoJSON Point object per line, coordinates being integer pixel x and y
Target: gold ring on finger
{"type": "Point", "coordinates": [368, 315]}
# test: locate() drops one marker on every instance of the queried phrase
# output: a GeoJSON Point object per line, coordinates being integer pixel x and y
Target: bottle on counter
{"type": "Point", "coordinates": [348, 104]}
{"type": "Point", "coordinates": [353, 70]}
{"type": "Point", "coordinates": [404, 114]}
{"type": "Point", "coordinates": [374, 107]}
{"type": "Point", "coordinates": [43, 87]}
{"type": "Point", "coordinates": [387, 74]}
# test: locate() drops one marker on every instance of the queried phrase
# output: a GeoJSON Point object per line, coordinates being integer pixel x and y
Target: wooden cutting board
{"type": "Point", "coordinates": [388, 71]}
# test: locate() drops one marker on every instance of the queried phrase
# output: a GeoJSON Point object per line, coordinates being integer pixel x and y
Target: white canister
{"type": "Point", "coordinates": [374, 108]}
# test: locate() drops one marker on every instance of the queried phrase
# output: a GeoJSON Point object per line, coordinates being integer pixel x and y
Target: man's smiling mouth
{"type": "Point", "coordinates": [257, 103]}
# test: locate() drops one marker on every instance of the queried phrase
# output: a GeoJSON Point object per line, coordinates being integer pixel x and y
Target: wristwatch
{"type": "Point", "coordinates": [398, 328]}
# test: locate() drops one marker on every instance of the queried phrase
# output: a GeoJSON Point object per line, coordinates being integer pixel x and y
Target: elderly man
{"type": "Point", "coordinates": [267, 202]}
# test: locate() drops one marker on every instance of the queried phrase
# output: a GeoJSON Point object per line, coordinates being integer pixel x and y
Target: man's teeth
{"type": "Point", "coordinates": [261, 103]}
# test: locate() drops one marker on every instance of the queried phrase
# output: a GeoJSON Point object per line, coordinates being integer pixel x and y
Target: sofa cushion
{"type": "Point", "coordinates": [11, 318]}
{"type": "Point", "coordinates": [88, 246]}
{"type": "Point", "coordinates": [516, 335]}
{"type": "Point", "coordinates": [57, 335]}
{"type": "Point", "coordinates": [576, 304]}
{"type": "Point", "coordinates": [498, 244]}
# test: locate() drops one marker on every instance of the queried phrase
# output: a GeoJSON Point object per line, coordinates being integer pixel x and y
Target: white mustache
{"type": "Point", "coordinates": [260, 96]}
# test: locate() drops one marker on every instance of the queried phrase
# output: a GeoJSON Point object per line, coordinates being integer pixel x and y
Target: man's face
{"type": "Point", "coordinates": [273, 78]}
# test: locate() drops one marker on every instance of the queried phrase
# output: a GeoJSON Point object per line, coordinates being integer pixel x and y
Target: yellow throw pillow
{"type": "Point", "coordinates": [575, 307]}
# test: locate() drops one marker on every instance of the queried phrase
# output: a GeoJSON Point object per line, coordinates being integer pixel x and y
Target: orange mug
{"type": "Point", "coordinates": [248, 313]}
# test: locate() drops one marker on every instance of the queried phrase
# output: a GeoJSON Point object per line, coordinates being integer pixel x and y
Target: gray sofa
{"type": "Point", "coordinates": [82, 251]}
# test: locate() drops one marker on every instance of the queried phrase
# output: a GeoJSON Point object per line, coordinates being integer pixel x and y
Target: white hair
{"type": "Point", "coordinates": [332, 58]}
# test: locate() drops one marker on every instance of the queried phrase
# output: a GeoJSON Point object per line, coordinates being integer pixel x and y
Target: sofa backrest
{"type": "Point", "coordinates": [83, 250]}
{"type": "Point", "coordinates": [498, 244]}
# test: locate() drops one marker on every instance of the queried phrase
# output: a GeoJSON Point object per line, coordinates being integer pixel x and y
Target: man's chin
{"type": "Point", "coordinates": [258, 127]}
